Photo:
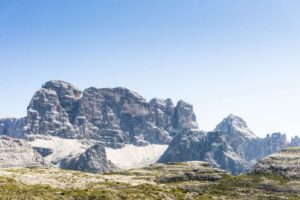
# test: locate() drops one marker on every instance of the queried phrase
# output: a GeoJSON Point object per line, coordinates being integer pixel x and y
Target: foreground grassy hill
{"type": "Point", "coordinates": [190, 180]}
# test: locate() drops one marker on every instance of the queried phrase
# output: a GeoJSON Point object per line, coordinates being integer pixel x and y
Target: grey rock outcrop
{"type": "Point", "coordinates": [116, 116]}
{"type": "Point", "coordinates": [186, 171]}
{"type": "Point", "coordinates": [211, 147]}
{"type": "Point", "coordinates": [235, 126]}
{"type": "Point", "coordinates": [285, 163]}
{"type": "Point", "coordinates": [231, 146]}
{"type": "Point", "coordinates": [52, 109]}
{"type": "Point", "coordinates": [261, 147]}
{"type": "Point", "coordinates": [295, 142]}
{"type": "Point", "coordinates": [18, 153]}
{"type": "Point", "coordinates": [13, 127]}
{"type": "Point", "coordinates": [92, 160]}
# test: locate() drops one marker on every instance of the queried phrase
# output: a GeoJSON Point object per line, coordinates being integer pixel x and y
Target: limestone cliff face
{"type": "Point", "coordinates": [18, 153]}
{"type": "Point", "coordinates": [285, 163]}
{"type": "Point", "coordinates": [231, 146]}
{"type": "Point", "coordinates": [13, 127]}
{"type": "Point", "coordinates": [211, 147]}
{"type": "Point", "coordinates": [116, 116]}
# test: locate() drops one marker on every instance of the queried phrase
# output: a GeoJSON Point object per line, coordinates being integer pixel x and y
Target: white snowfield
{"type": "Point", "coordinates": [61, 147]}
{"type": "Point", "coordinates": [132, 156]}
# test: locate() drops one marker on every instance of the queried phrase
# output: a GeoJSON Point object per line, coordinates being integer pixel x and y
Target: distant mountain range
{"type": "Point", "coordinates": [94, 129]}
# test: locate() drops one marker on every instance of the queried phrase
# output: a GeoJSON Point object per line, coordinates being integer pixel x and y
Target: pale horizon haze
{"type": "Point", "coordinates": [223, 57]}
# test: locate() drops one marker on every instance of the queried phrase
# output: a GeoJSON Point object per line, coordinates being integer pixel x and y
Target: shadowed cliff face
{"type": "Point", "coordinates": [116, 116]}
{"type": "Point", "coordinates": [232, 146]}
{"type": "Point", "coordinates": [13, 127]}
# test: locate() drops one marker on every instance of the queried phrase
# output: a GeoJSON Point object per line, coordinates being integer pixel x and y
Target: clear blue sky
{"type": "Point", "coordinates": [240, 57]}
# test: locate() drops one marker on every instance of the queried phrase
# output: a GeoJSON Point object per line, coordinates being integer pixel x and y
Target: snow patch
{"type": "Point", "coordinates": [132, 156]}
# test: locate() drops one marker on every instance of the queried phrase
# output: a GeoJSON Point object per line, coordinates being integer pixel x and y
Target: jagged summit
{"type": "Point", "coordinates": [116, 91]}
{"type": "Point", "coordinates": [116, 116]}
{"type": "Point", "coordinates": [235, 125]}
{"type": "Point", "coordinates": [61, 120]}
{"type": "Point", "coordinates": [57, 84]}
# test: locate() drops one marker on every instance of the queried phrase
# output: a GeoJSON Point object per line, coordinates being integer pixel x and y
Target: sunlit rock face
{"type": "Point", "coordinates": [93, 160]}
{"type": "Point", "coordinates": [52, 109]}
{"type": "Point", "coordinates": [285, 163]}
{"type": "Point", "coordinates": [13, 127]}
{"type": "Point", "coordinates": [18, 153]}
{"type": "Point", "coordinates": [116, 116]}
{"type": "Point", "coordinates": [211, 147]}
{"type": "Point", "coordinates": [231, 146]}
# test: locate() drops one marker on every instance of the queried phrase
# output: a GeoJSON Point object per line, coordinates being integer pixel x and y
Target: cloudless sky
{"type": "Point", "coordinates": [233, 56]}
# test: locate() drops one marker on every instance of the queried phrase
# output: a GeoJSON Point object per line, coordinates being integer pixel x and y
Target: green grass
{"type": "Point", "coordinates": [229, 187]}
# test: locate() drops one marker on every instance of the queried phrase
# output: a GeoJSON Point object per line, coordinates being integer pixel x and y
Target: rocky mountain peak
{"type": "Point", "coordinates": [115, 116]}
{"type": "Point", "coordinates": [161, 103]}
{"type": "Point", "coordinates": [234, 125]}
{"type": "Point", "coordinates": [62, 88]}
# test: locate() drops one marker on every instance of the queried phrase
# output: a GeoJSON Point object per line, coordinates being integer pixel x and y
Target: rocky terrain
{"type": "Point", "coordinates": [295, 141]}
{"type": "Point", "coordinates": [101, 130]}
{"type": "Point", "coordinates": [93, 160]}
{"type": "Point", "coordinates": [231, 146]}
{"type": "Point", "coordinates": [116, 116]}
{"type": "Point", "coordinates": [285, 163]}
{"type": "Point", "coordinates": [178, 181]}
{"type": "Point", "coordinates": [71, 128]}
{"type": "Point", "coordinates": [13, 127]}
{"type": "Point", "coordinates": [18, 153]}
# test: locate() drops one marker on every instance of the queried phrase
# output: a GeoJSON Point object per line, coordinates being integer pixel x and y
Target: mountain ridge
{"type": "Point", "coordinates": [61, 114]}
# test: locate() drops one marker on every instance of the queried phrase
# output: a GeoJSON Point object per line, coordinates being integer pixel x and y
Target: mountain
{"type": "Point", "coordinates": [116, 116]}
{"type": "Point", "coordinates": [103, 129]}
{"type": "Point", "coordinates": [231, 146]}
{"type": "Point", "coordinates": [211, 147]}
{"type": "Point", "coordinates": [235, 126]}
{"type": "Point", "coordinates": [18, 153]}
{"type": "Point", "coordinates": [75, 128]}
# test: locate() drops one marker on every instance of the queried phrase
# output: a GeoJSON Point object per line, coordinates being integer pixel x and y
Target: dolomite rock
{"type": "Point", "coordinates": [116, 116]}
{"type": "Point", "coordinates": [92, 160]}
{"type": "Point", "coordinates": [285, 163]}
{"type": "Point", "coordinates": [18, 153]}
{"type": "Point", "coordinates": [232, 146]}
{"type": "Point", "coordinates": [295, 142]}
{"type": "Point", "coordinates": [13, 127]}
{"type": "Point", "coordinates": [186, 171]}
